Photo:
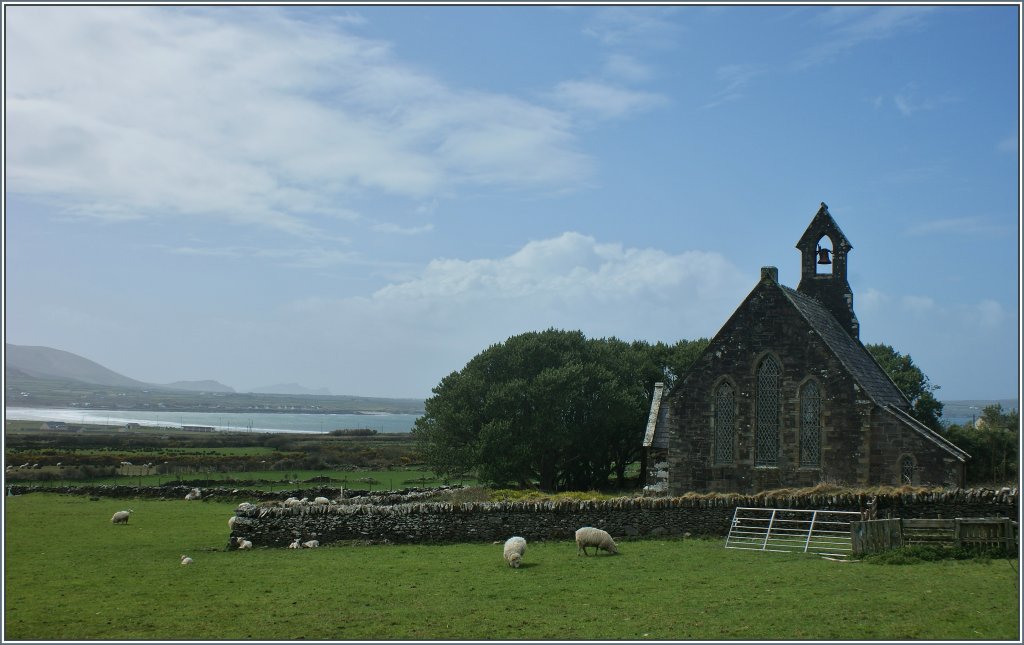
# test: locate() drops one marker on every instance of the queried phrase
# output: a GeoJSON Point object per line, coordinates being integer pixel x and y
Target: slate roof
{"type": "Point", "coordinates": [851, 353]}
{"type": "Point", "coordinates": [927, 432]}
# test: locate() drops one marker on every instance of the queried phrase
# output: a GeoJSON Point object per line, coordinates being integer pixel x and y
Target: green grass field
{"type": "Point", "coordinates": [72, 575]}
{"type": "Point", "coordinates": [374, 480]}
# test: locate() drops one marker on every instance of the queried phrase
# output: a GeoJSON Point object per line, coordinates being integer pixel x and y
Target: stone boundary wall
{"type": "Point", "coordinates": [273, 525]}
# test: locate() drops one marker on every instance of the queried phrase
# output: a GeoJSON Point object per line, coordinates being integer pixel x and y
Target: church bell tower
{"type": "Point", "coordinates": [823, 251]}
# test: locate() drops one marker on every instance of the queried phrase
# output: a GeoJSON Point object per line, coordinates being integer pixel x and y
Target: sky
{"type": "Point", "coordinates": [362, 198]}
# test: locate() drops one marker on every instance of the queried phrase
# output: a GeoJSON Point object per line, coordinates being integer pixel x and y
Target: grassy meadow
{"type": "Point", "coordinates": [72, 575]}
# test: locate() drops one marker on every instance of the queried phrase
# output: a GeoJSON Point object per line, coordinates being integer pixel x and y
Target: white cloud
{"type": "Point", "coordinates": [454, 308]}
{"type": "Point", "coordinates": [909, 102]}
{"type": "Point", "coordinates": [975, 225]}
{"type": "Point", "coordinates": [250, 116]}
{"type": "Point", "coordinates": [846, 27]}
{"type": "Point", "coordinates": [604, 100]}
{"type": "Point", "coordinates": [627, 68]}
{"type": "Point", "coordinates": [734, 78]}
{"type": "Point", "coordinates": [643, 26]}
{"type": "Point", "coordinates": [389, 227]}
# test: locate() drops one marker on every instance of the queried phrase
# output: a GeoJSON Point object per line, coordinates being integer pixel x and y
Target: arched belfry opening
{"type": "Point", "coordinates": [824, 280]}
{"type": "Point", "coordinates": [824, 262]}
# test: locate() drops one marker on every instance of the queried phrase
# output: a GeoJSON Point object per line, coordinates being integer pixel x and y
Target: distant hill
{"type": "Point", "coordinates": [199, 386]}
{"type": "Point", "coordinates": [49, 363]}
{"type": "Point", "coordinates": [53, 378]}
{"type": "Point", "coordinates": [290, 388]}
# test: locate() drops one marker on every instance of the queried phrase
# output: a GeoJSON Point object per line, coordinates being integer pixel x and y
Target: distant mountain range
{"type": "Point", "coordinates": [55, 364]}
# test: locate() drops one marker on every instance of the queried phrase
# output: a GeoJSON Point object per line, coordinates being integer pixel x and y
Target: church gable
{"type": "Point", "coordinates": [786, 395]}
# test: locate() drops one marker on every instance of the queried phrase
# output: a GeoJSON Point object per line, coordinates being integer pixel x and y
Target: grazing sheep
{"type": "Point", "coordinates": [515, 548]}
{"type": "Point", "coordinates": [292, 501]}
{"type": "Point", "coordinates": [312, 544]}
{"type": "Point", "coordinates": [297, 544]}
{"type": "Point", "coordinates": [589, 536]}
{"type": "Point", "coordinates": [185, 559]}
{"type": "Point", "coordinates": [121, 517]}
{"type": "Point", "coordinates": [321, 500]}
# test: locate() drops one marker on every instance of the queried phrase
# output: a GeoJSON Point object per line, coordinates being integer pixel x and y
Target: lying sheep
{"type": "Point", "coordinates": [312, 544]}
{"type": "Point", "coordinates": [121, 517]}
{"type": "Point", "coordinates": [195, 493]}
{"type": "Point", "coordinates": [239, 543]}
{"type": "Point", "coordinates": [297, 544]}
{"type": "Point", "coordinates": [589, 536]}
{"type": "Point", "coordinates": [185, 559]}
{"type": "Point", "coordinates": [515, 548]}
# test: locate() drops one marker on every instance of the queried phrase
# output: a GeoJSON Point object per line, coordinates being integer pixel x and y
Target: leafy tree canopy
{"type": "Point", "coordinates": [551, 407]}
{"type": "Point", "coordinates": [909, 378]}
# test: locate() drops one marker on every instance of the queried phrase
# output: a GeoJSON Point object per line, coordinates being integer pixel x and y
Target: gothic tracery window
{"type": "Point", "coordinates": [810, 425]}
{"type": "Point", "coordinates": [907, 470]}
{"type": "Point", "coordinates": [767, 438]}
{"type": "Point", "coordinates": [725, 419]}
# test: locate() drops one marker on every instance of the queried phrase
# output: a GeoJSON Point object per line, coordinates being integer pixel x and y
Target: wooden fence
{"type": "Point", "coordinates": [873, 536]}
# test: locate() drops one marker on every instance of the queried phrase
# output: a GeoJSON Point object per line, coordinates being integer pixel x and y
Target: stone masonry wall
{"type": "Point", "coordinates": [276, 526]}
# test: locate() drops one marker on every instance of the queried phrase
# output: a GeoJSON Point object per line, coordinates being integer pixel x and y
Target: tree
{"type": "Point", "coordinates": [549, 407]}
{"type": "Point", "coordinates": [993, 443]}
{"type": "Point", "coordinates": [909, 378]}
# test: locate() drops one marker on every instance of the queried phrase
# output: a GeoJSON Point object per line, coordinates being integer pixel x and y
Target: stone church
{"type": "Point", "coordinates": [786, 395]}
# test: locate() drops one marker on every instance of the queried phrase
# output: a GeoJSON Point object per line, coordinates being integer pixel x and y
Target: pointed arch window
{"type": "Point", "coordinates": [725, 423]}
{"type": "Point", "coordinates": [767, 437]}
{"type": "Point", "coordinates": [907, 470]}
{"type": "Point", "coordinates": [810, 426]}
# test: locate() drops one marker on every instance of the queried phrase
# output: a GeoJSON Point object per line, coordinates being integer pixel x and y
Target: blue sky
{"type": "Point", "coordinates": [363, 198]}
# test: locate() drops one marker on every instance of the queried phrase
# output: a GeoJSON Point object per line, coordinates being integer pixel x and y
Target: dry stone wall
{"type": "Point", "coordinates": [272, 525]}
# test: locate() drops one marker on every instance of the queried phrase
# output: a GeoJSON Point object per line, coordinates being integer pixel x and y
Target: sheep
{"type": "Point", "coordinates": [185, 560]}
{"type": "Point", "coordinates": [312, 544]}
{"type": "Point", "coordinates": [239, 543]}
{"type": "Point", "coordinates": [515, 548]}
{"type": "Point", "coordinates": [231, 521]}
{"type": "Point", "coordinates": [589, 536]}
{"type": "Point", "coordinates": [321, 500]}
{"type": "Point", "coordinates": [121, 517]}
{"type": "Point", "coordinates": [292, 501]}
{"type": "Point", "coordinates": [296, 544]}
{"type": "Point", "coordinates": [195, 493]}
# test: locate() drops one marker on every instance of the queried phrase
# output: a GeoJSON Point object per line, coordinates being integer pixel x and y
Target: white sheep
{"type": "Point", "coordinates": [321, 500]}
{"type": "Point", "coordinates": [231, 521]}
{"type": "Point", "coordinates": [589, 536]}
{"type": "Point", "coordinates": [195, 493]}
{"type": "Point", "coordinates": [515, 548]}
{"type": "Point", "coordinates": [292, 501]}
{"type": "Point", "coordinates": [185, 559]}
{"type": "Point", "coordinates": [244, 544]}
{"type": "Point", "coordinates": [297, 544]}
{"type": "Point", "coordinates": [312, 544]}
{"type": "Point", "coordinates": [121, 517]}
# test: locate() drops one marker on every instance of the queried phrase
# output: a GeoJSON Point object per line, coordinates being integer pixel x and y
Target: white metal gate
{"type": "Point", "coordinates": [789, 530]}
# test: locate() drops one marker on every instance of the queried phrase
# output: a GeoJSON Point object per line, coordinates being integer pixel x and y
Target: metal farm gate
{"type": "Point", "coordinates": [787, 530]}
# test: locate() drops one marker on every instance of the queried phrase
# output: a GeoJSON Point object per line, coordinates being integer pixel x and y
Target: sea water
{"type": "Point", "coordinates": [246, 422]}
